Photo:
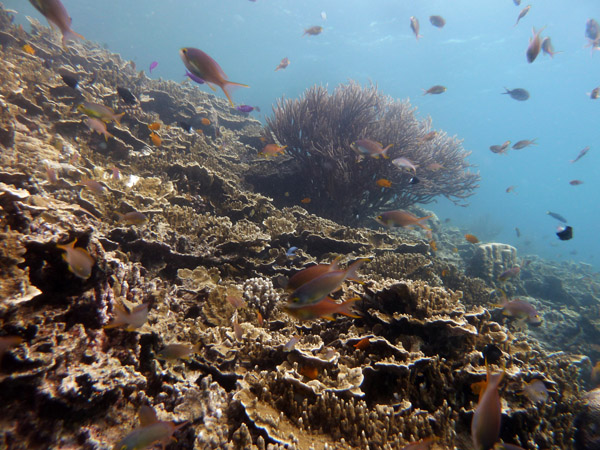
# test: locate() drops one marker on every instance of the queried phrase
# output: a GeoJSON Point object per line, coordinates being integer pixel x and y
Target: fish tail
{"type": "Point", "coordinates": [418, 222]}
{"type": "Point", "coordinates": [385, 150]}
{"type": "Point", "coordinates": [351, 271]}
{"type": "Point", "coordinates": [70, 35]}
{"type": "Point", "coordinates": [345, 308]}
{"type": "Point", "coordinates": [68, 245]}
{"type": "Point", "coordinates": [117, 118]}
{"type": "Point", "coordinates": [228, 85]}
{"type": "Point", "coordinates": [335, 263]}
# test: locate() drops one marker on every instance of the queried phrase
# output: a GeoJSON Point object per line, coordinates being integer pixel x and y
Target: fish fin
{"type": "Point", "coordinates": [345, 308]}
{"type": "Point", "coordinates": [419, 224]}
{"type": "Point", "coordinates": [121, 316]}
{"type": "Point", "coordinates": [147, 416]}
{"type": "Point", "coordinates": [117, 118]}
{"type": "Point", "coordinates": [351, 271]}
{"type": "Point", "coordinates": [70, 35]}
{"type": "Point", "coordinates": [331, 318]}
{"type": "Point", "coordinates": [335, 263]}
{"type": "Point", "coordinates": [385, 150]}
{"type": "Point", "coordinates": [68, 245]}
{"type": "Point", "coordinates": [227, 85]}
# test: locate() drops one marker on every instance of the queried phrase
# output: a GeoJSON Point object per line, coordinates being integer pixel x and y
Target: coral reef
{"type": "Point", "coordinates": [319, 130]}
{"type": "Point", "coordinates": [210, 264]}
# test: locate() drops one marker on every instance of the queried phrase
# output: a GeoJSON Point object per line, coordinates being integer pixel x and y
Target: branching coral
{"type": "Point", "coordinates": [319, 130]}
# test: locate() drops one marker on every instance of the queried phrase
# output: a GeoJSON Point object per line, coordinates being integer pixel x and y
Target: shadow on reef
{"type": "Point", "coordinates": [210, 261]}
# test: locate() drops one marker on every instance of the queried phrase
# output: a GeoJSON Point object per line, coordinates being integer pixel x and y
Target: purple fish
{"type": "Point", "coordinates": [153, 65]}
{"type": "Point", "coordinates": [193, 77]}
{"type": "Point", "coordinates": [247, 108]}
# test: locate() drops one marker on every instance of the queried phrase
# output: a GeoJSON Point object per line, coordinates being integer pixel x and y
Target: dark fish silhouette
{"type": "Point", "coordinates": [517, 94]}
{"type": "Point", "coordinates": [437, 21]}
{"type": "Point", "coordinates": [437, 89]}
{"type": "Point", "coordinates": [126, 95]}
{"type": "Point", "coordinates": [565, 233]}
{"type": "Point", "coordinates": [186, 126]}
{"type": "Point", "coordinates": [592, 30]}
{"type": "Point", "coordinates": [491, 354]}
{"type": "Point", "coordinates": [70, 81]}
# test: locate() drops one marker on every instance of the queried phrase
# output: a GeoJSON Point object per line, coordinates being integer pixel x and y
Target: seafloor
{"type": "Point", "coordinates": [429, 315]}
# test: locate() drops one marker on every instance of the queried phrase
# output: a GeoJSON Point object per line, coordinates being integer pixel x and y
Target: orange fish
{"type": "Point", "coordinates": [205, 121]}
{"type": "Point", "coordinates": [310, 273]}
{"type": "Point", "coordinates": [401, 219]}
{"type": "Point", "coordinates": [455, 249]}
{"type": "Point", "coordinates": [384, 183]}
{"type": "Point", "coordinates": [309, 372]}
{"type": "Point", "coordinates": [444, 272]}
{"type": "Point", "coordinates": [305, 200]}
{"type": "Point", "coordinates": [272, 150]}
{"type": "Point", "coordinates": [154, 126]}
{"type": "Point", "coordinates": [433, 245]}
{"type": "Point", "coordinates": [471, 238]}
{"type": "Point", "coordinates": [156, 140]}
{"type": "Point", "coordinates": [485, 425]}
{"type": "Point", "coordinates": [203, 66]}
{"type": "Point", "coordinates": [325, 309]}
{"type": "Point", "coordinates": [362, 344]}
{"type": "Point", "coordinates": [28, 49]}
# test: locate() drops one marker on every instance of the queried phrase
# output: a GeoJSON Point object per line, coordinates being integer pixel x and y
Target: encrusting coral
{"type": "Point", "coordinates": [319, 130]}
{"type": "Point", "coordinates": [210, 264]}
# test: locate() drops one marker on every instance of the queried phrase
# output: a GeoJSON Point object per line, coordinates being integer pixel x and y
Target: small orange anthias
{"type": "Point", "coordinates": [485, 425]}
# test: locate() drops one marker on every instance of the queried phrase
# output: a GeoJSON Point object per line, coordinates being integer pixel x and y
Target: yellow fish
{"type": "Point", "coordinates": [79, 260]}
{"type": "Point", "coordinates": [384, 183]}
{"type": "Point", "coordinates": [28, 49]}
{"type": "Point", "coordinates": [156, 140]}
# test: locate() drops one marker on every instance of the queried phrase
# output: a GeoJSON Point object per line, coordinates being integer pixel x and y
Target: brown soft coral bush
{"type": "Point", "coordinates": [319, 129]}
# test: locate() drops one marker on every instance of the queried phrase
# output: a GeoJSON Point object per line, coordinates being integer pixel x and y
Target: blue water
{"type": "Point", "coordinates": [475, 55]}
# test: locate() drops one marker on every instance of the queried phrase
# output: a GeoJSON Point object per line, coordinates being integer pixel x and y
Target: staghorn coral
{"type": "Point", "coordinates": [319, 130]}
